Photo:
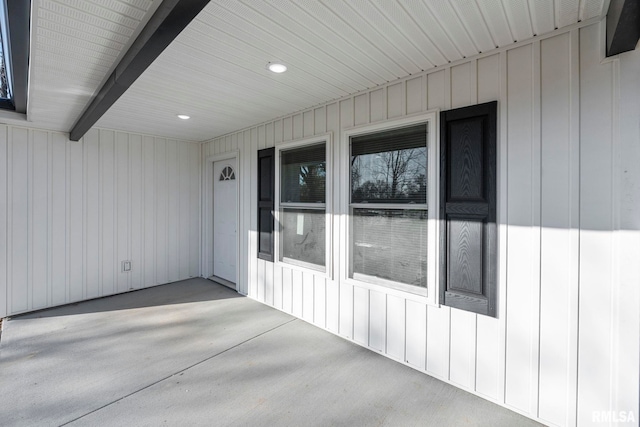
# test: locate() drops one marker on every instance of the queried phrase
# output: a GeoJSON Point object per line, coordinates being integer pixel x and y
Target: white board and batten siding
{"type": "Point", "coordinates": [565, 343]}
{"type": "Point", "coordinates": [71, 212]}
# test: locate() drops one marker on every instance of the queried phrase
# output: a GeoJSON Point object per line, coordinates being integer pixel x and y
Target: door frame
{"type": "Point", "coordinates": [207, 236]}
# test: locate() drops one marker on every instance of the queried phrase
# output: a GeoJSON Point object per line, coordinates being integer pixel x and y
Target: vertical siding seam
{"type": "Point", "coordinates": [9, 220]}
{"type": "Point", "coordinates": [474, 363]}
{"type": "Point", "coordinates": [537, 212]}
{"type": "Point", "coordinates": [30, 233]}
{"type": "Point", "coordinates": [49, 218]}
{"type": "Point", "coordinates": [67, 221]}
{"type": "Point", "coordinates": [425, 93]}
{"type": "Point", "coordinates": [448, 377]}
{"type": "Point", "coordinates": [4, 207]}
{"type": "Point", "coordinates": [154, 143]}
{"type": "Point", "coordinates": [473, 81]}
{"type": "Point", "coordinates": [114, 207]}
{"type": "Point", "coordinates": [129, 214]}
{"type": "Point", "coordinates": [572, 389]}
{"type": "Point", "coordinates": [447, 88]}
{"type": "Point", "coordinates": [143, 229]}
{"type": "Point", "coordinates": [615, 253]}
{"type": "Point", "coordinates": [504, 215]}
{"type": "Point", "coordinates": [85, 213]}
{"type": "Point", "coordinates": [100, 215]}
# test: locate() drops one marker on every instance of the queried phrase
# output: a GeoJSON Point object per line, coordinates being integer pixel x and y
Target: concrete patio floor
{"type": "Point", "coordinates": [197, 353]}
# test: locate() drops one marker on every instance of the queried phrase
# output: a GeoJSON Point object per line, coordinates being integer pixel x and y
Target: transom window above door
{"type": "Point", "coordinates": [227, 174]}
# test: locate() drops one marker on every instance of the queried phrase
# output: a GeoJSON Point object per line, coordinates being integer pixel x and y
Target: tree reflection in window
{"type": "Point", "coordinates": [396, 176]}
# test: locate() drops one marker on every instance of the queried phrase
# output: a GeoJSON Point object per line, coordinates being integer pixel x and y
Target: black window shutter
{"type": "Point", "coordinates": [266, 202]}
{"type": "Point", "coordinates": [468, 233]}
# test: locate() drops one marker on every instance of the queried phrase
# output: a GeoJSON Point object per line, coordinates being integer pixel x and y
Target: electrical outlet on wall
{"type": "Point", "coordinates": [126, 266]}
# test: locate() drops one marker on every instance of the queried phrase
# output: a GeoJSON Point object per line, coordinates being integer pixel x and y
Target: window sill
{"type": "Point", "coordinates": [400, 290]}
{"type": "Point", "coordinates": [307, 267]}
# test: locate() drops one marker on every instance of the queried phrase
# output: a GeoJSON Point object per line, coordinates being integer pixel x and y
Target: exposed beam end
{"type": "Point", "coordinates": [623, 26]}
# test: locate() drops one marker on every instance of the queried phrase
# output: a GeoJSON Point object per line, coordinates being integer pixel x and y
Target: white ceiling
{"type": "Point", "coordinates": [215, 71]}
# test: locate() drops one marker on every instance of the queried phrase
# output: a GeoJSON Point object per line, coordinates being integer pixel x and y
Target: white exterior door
{"type": "Point", "coordinates": [224, 219]}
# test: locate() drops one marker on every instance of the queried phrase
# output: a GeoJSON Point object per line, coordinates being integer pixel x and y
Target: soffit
{"type": "Point", "coordinates": [215, 70]}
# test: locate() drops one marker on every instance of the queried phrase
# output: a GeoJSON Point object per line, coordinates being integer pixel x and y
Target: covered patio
{"type": "Point", "coordinates": [196, 353]}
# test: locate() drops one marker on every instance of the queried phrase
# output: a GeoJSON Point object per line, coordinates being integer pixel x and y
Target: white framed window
{"type": "Point", "coordinates": [302, 203]}
{"type": "Point", "coordinates": [392, 205]}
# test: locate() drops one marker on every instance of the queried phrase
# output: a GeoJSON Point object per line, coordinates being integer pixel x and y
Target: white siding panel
{"type": "Point", "coordinates": [596, 218]}
{"type": "Point", "coordinates": [346, 310]}
{"type": "Point", "coordinates": [122, 210]}
{"type": "Point", "coordinates": [81, 212]}
{"type": "Point", "coordinates": [162, 205]}
{"type": "Point", "coordinates": [438, 327]}
{"type": "Point", "coordinates": [194, 212]}
{"type": "Point", "coordinates": [92, 215]}
{"type": "Point", "coordinates": [627, 322]}
{"type": "Point", "coordinates": [261, 280]}
{"type": "Point", "coordinates": [319, 301]}
{"type": "Point", "coordinates": [361, 315]}
{"type": "Point", "coordinates": [396, 321]}
{"type": "Point", "coordinates": [268, 134]}
{"type": "Point", "coordinates": [361, 109]}
{"type": "Point", "coordinates": [268, 283]}
{"type": "Point", "coordinates": [297, 126]}
{"type": "Point", "coordinates": [415, 95]}
{"type": "Point", "coordinates": [38, 207]}
{"type": "Point", "coordinates": [150, 211]}
{"type": "Point", "coordinates": [416, 334]}
{"type": "Point", "coordinates": [488, 356]}
{"type": "Point", "coordinates": [108, 205]}
{"type": "Point", "coordinates": [247, 230]}
{"type": "Point", "coordinates": [463, 349]}
{"type": "Point", "coordinates": [307, 125]}
{"type": "Point", "coordinates": [277, 287]}
{"type": "Point", "coordinates": [377, 320]}
{"type": "Point", "coordinates": [4, 231]}
{"type": "Point", "coordinates": [333, 306]}
{"type": "Point", "coordinates": [136, 239]}
{"type": "Point", "coordinates": [436, 90]}
{"type": "Point", "coordinates": [308, 292]}
{"type": "Point", "coordinates": [184, 183]}
{"type": "Point", "coordinates": [320, 120]}
{"type": "Point", "coordinates": [378, 105]}
{"type": "Point", "coordinates": [395, 105]}
{"type": "Point", "coordinates": [297, 293]}
{"type": "Point", "coordinates": [19, 214]}
{"type": "Point", "coordinates": [557, 259]}
{"type": "Point", "coordinates": [461, 92]}
{"type": "Point", "coordinates": [287, 290]}
{"type": "Point", "coordinates": [252, 287]}
{"type": "Point", "coordinates": [173, 212]}
{"type": "Point", "coordinates": [76, 214]}
{"type": "Point", "coordinates": [522, 237]}
{"type": "Point", "coordinates": [287, 129]}
{"type": "Point", "coordinates": [58, 197]}
{"type": "Point", "coordinates": [489, 79]}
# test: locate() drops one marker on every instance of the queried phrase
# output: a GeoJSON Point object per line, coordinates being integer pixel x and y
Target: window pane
{"type": "Point", "coordinates": [303, 174]}
{"type": "Point", "coordinates": [390, 167]}
{"type": "Point", "coordinates": [390, 244]}
{"type": "Point", "coordinates": [303, 235]}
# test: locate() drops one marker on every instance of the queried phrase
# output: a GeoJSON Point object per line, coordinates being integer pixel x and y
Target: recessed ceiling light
{"type": "Point", "coordinates": [183, 117]}
{"type": "Point", "coordinates": [276, 67]}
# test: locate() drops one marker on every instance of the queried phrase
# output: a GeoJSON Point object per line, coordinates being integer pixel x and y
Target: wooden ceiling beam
{"type": "Point", "coordinates": [171, 17]}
